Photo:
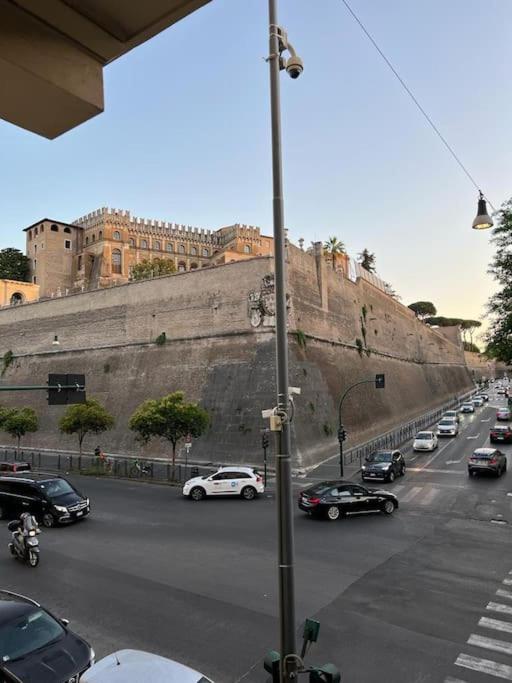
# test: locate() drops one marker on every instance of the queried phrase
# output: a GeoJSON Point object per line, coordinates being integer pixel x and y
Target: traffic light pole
{"type": "Point", "coordinates": [44, 387]}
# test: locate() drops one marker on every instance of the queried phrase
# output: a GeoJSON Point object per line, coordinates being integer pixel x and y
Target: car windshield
{"type": "Point", "coordinates": [56, 487]}
{"type": "Point", "coordinates": [483, 456]}
{"type": "Point", "coordinates": [320, 489]}
{"type": "Point", "coordinates": [379, 457]}
{"type": "Point", "coordinates": [467, 405]}
{"type": "Point", "coordinates": [446, 421]}
{"type": "Point", "coordinates": [500, 429]}
{"type": "Point", "coordinates": [28, 633]}
{"type": "Point", "coordinates": [424, 436]}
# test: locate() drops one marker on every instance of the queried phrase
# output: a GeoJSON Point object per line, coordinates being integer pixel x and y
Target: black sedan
{"type": "Point", "coordinates": [36, 647]}
{"type": "Point", "coordinates": [333, 499]}
{"type": "Point", "coordinates": [385, 465]}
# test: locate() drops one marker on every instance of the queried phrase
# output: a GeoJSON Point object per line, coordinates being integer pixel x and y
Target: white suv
{"type": "Point", "coordinates": [227, 481]}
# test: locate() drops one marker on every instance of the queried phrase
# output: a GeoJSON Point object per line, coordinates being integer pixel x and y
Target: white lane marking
{"type": "Point", "coordinates": [425, 469]}
{"type": "Point", "coordinates": [455, 462]}
{"type": "Point", "coordinates": [413, 492]}
{"type": "Point", "coordinates": [450, 679]}
{"type": "Point", "coordinates": [486, 666]}
{"type": "Point", "coordinates": [497, 607]}
{"type": "Point", "coordinates": [507, 582]}
{"type": "Point", "coordinates": [397, 488]}
{"type": "Point", "coordinates": [429, 496]}
{"type": "Point", "coordinates": [496, 624]}
{"type": "Point", "coordinates": [490, 643]}
{"type": "Point", "coordinates": [504, 594]}
{"type": "Point", "coordinates": [473, 437]}
{"type": "Point", "coordinates": [487, 420]}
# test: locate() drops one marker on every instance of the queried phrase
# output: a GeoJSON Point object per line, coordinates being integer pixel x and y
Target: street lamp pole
{"type": "Point", "coordinates": [288, 663]}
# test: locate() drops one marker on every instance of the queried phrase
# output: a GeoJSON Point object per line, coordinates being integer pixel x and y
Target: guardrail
{"type": "Point", "coordinates": [399, 435]}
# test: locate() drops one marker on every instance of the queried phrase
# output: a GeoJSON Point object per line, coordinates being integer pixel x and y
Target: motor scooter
{"type": "Point", "coordinates": [25, 544]}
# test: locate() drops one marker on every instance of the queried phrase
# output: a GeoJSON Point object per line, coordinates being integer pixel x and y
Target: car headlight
{"type": "Point", "coordinates": [87, 502]}
{"type": "Point", "coordinates": [92, 655]}
{"type": "Point", "coordinates": [61, 508]}
{"type": "Point", "coordinates": [386, 467]}
{"type": "Point", "coordinates": [363, 467]}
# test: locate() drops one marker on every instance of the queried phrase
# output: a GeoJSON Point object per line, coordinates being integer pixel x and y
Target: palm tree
{"type": "Point", "coordinates": [334, 246]}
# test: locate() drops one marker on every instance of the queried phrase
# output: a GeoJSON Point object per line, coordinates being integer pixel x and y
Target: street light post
{"type": "Point", "coordinates": [288, 659]}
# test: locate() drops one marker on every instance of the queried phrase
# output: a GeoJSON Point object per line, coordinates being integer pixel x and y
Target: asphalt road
{"type": "Point", "coordinates": [420, 596]}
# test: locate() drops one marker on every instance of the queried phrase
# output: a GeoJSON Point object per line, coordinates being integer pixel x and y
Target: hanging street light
{"type": "Point", "coordinates": [482, 221]}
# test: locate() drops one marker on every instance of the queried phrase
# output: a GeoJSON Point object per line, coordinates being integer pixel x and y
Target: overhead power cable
{"type": "Point", "coordinates": [414, 99]}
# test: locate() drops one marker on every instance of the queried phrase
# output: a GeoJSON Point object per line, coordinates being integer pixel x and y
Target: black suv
{"type": "Point", "coordinates": [49, 498]}
{"type": "Point", "coordinates": [384, 465]}
{"type": "Point", "coordinates": [37, 647]}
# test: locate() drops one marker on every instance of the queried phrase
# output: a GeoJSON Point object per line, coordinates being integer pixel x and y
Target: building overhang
{"type": "Point", "coordinates": [52, 220]}
{"type": "Point", "coordinates": [52, 54]}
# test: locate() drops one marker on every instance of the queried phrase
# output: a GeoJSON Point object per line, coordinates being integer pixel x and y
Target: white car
{"type": "Point", "coordinates": [134, 666]}
{"type": "Point", "coordinates": [452, 413]}
{"type": "Point", "coordinates": [227, 481]}
{"type": "Point", "coordinates": [425, 441]}
{"type": "Point", "coordinates": [447, 427]}
{"type": "Point", "coordinates": [478, 401]}
{"type": "Point", "coordinates": [467, 408]}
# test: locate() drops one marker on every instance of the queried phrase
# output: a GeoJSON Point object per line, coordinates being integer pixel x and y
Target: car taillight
{"type": "Point", "coordinates": [493, 461]}
{"type": "Point", "coordinates": [258, 479]}
{"type": "Point", "coordinates": [314, 501]}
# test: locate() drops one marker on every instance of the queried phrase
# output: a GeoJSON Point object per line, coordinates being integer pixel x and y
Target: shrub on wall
{"type": "Point", "coordinates": [6, 361]}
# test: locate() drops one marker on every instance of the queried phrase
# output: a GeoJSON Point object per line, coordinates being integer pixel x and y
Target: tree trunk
{"type": "Point", "coordinates": [173, 459]}
{"type": "Point", "coordinates": [80, 441]}
{"type": "Point", "coordinates": [18, 446]}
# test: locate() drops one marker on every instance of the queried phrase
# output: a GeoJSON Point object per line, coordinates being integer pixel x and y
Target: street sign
{"type": "Point", "coordinates": [66, 389]}
{"type": "Point", "coordinates": [380, 381]}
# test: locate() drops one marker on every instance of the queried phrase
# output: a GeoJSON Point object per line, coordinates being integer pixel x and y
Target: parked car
{"type": "Point", "coordinates": [51, 499]}
{"type": "Point", "coordinates": [502, 433]}
{"type": "Point", "coordinates": [15, 467]}
{"type": "Point", "coordinates": [134, 666]}
{"type": "Point", "coordinates": [447, 426]}
{"type": "Point", "coordinates": [467, 408]}
{"type": "Point", "coordinates": [37, 647]}
{"type": "Point", "coordinates": [478, 401]}
{"type": "Point", "coordinates": [425, 441]}
{"type": "Point", "coordinates": [385, 465]}
{"type": "Point", "coordinates": [487, 460]}
{"type": "Point", "coordinates": [453, 414]}
{"type": "Point", "coordinates": [503, 414]}
{"type": "Point", "coordinates": [333, 499]}
{"type": "Point", "coordinates": [245, 482]}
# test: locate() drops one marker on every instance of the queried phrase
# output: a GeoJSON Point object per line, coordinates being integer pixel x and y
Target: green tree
{"type": "Point", "coordinates": [334, 246]}
{"type": "Point", "coordinates": [367, 260]}
{"type": "Point", "coordinates": [14, 265]}
{"type": "Point", "coordinates": [441, 321]}
{"type": "Point", "coordinates": [469, 346]}
{"type": "Point", "coordinates": [423, 309]}
{"type": "Point", "coordinates": [147, 269]}
{"type": "Point", "coordinates": [470, 326]}
{"type": "Point", "coordinates": [169, 418]}
{"type": "Point", "coordinates": [82, 418]}
{"type": "Point", "coordinates": [17, 422]}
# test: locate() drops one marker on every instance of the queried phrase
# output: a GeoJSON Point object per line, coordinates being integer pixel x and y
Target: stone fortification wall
{"type": "Point", "coordinates": [220, 351]}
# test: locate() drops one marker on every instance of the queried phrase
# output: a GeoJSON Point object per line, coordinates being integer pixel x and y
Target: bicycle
{"type": "Point", "coordinates": [140, 469]}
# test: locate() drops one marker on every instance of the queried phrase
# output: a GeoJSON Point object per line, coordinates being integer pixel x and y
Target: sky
{"type": "Point", "coordinates": [185, 136]}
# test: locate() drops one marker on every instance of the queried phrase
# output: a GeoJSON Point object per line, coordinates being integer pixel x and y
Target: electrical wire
{"type": "Point", "coordinates": [414, 99]}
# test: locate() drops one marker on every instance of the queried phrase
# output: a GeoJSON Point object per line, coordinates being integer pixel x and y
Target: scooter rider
{"type": "Point", "coordinates": [26, 524]}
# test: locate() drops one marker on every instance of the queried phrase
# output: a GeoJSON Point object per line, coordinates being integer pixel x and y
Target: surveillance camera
{"type": "Point", "coordinates": [294, 66]}
{"type": "Point", "coordinates": [294, 390]}
{"type": "Point", "coordinates": [266, 414]}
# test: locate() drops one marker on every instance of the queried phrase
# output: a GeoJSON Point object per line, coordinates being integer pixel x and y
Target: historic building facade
{"type": "Point", "coordinates": [100, 248]}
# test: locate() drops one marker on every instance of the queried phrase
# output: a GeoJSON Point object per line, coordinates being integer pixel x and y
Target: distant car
{"type": "Point", "coordinates": [385, 465]}
{"type": "Point", "coordinates": [36, 647]}
{"type": "Point", "coordinates": [334, 499]}
{"type": "Point", "coordinates": [245, 482]}
{"type": "Point", "coordinates": [452, 413]}
{"type": "Point", "coordinates": [485, 397]}
{"type": "Point", "coordinates": [134, 666]}
{"type": "Point", "coordinates": [15, 467]}
{"type": "Point", "coordinates": [478, 401]}
{"type": "Point", "coordinates": [487, 460]}
{"type": "Point", "coordinates": [503, 414]}
{"type": "Point", "coordinates": [447, 426]}
{"type": "Point", "coordinates": [467, 408]}
{"type": "Point", "coordinates": [425, 441]}
{"type": "Point", "coordinates": [501, 433]}
{"type": "Point", "coordinates": [501, 390]}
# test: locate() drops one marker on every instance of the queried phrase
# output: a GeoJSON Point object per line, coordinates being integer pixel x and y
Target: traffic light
{"type": "Point", "coordinates": [327, 673]}
{"type": "Point", "coordinates": [264, 440]}
{"type": "Point", "coordinates": [271, 665]}
{"type": "Point", "coordinates": [342, 434]}
{"type": "Point", "coordinates": [380, 381]}
{"type": "Point", "coordinates": [66, 389]}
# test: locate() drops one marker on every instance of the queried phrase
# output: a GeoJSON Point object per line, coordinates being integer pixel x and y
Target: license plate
{"type": "Point", "coordinates": [79, 514]}
{"type": "Point", "coordinates": [372, 474]}
{"type": "Point", "coordinates": [500, 438]}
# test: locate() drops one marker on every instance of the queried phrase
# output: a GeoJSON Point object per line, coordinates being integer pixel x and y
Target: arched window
{"type": "Point", "coordinates": [206, 253]}
{"type": "Point", "coordinates": [87, 240]}
{"type": "Point", "coordinates": [193, 251]}
{"type": "Point", "coordinates": [143, 244]}
{"type": "Point", "coordinates": [131, 242]}
{"type": "Point", "coordinates": [68, 230]}
{"type": "Point", "coordinates": [116, 235]}
{"type": "Point", "coordinates": [193, 266]}
{"type": "Point", "coordinates": [100, 236]}
{"type": "Point", "coordinates": [93, 239]}
{"type": "Point", "coordinates": [16, 298]}
{"type": "Point", "coordinates": [116, 262]}
{"type": "Point", "coordinates": [157, 245]}
{"type": "Point", "coordinates": [54, 228]}
{"type": "Point", "coordinates": [182, 267]}
{"type": "Point", "coordinates": [181, 249]}
{"type": "Point", "coordinates": [169, 246]}
{"type": "Point", "coordinates": [247, 249]}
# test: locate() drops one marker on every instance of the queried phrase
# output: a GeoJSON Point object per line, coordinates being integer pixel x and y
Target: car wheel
{"type": "Point", "coordinates": [332, 513]}
{"type": "Point", "coordinates": [248, 493]}
{"type": "Point", "coordinates": [388, 508]}
{"type": "Point", "coordinates": [391, 476]}
{"type": "Point", "coordinates": [48, 520]}
{"type": "Point", "coordinates": [197, 493]}
{"type": "Point", "coordinates": [33, 558]}
{"type": "Point", "coordinates": [402, 471]}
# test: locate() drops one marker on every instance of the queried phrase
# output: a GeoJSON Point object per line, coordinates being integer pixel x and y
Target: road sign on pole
{"type": "Point", "coordinates": [66, 389]}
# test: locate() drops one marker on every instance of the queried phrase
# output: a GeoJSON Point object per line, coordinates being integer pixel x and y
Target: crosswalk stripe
{"type": "Point", "coordinates": [497, 607]}
{"type": "Point", "coordinates": [413, 492]}
{"type": "Point", "coordinates": [486, 666]}
{"type": "Point", "coordinates": [507, 582]}
{"type": "Point", "coordinates": [490, 643]}
{"type": "Point", "coordinates": [501, 593]}
{"type": "Point", "coordinates": [450, 679]}
{"type": "Point", "coordinates": [496, 624]}
{"type": "Point", "coordinates": [398, 488]}
{"type": "Point", "coordinates": [429, 496]}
